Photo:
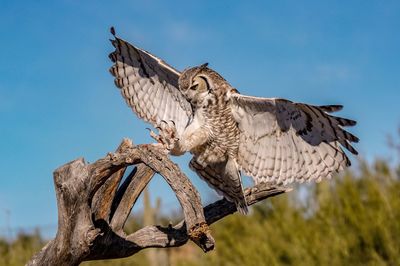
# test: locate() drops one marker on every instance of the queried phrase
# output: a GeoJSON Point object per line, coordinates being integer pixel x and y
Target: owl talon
{"type": "Point", "coordinates": [154, 135]}
{"type": "Point", "coordinates": [167, 134]}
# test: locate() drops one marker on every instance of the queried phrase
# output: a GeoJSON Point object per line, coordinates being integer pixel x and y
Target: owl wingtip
{"type": "Point", "coordinates": [242, 208]}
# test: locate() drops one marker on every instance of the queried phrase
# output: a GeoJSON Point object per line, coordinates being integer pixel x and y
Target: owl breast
{"type": "Point", "coordinates": [223, 139]}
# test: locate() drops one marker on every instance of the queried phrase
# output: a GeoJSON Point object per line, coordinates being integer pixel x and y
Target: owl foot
{"type": "Point", "coordinates": [167, 135]}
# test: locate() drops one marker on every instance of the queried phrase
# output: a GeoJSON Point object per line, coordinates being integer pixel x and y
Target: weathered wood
{"type": "Point", "coordinates": [134, 188]}
{"type": "Point", "coordinates": [103, 198]}
{"type": "Point", "coordinates": [93, 207]}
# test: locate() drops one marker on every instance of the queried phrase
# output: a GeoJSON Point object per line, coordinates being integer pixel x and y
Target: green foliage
{"type": "Point", "coordinates": [21, 249]}
{"type": "Point", "coordinates": [138, 259]}
{"type": "Point", "coordinates": [353, 219]}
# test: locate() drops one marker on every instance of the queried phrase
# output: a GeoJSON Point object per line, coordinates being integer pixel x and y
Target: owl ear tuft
{"type": "Point", "coordinates": [203, 65]}
{"type": "Point", "coordinates": [112, 30]}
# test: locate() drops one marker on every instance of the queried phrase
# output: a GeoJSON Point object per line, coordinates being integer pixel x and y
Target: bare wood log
{"type": "Point", "coordinates": [103, 198]}
{"type": "Point", "coordinates": [175, 236]}
{"type": "Point", "coordinates": [93, 207]}
{"type": "Point", "coordinates": [142, 176]}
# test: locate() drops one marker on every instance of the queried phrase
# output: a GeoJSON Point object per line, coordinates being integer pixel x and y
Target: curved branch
{"type": "Point", "coordinates": [128, 194]}
{"type": "Point", "coordinates": [174, 236]}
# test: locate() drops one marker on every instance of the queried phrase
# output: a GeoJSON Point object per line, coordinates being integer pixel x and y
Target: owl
{"type": "Point", "coordinates": [197, 111]}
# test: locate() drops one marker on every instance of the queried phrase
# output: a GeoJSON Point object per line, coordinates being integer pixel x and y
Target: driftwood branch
{"type": "Point", "coordinates": [94, 204]}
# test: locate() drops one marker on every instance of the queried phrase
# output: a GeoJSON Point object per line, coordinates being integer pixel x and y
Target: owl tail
{"type": "Point", "coordinates": [225, 179]}
{"type": "Point", "coordinates": [232, 174]}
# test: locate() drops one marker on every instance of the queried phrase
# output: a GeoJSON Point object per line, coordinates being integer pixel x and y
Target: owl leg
{"type": "Point", "coordinates": [168, 138]}
{"type": "Point", "coordinates": [192, 138]}
{"type": "Point", "coordinates": [190, 141]}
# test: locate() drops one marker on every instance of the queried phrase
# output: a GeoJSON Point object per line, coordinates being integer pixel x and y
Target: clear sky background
{"type": "Point", "coordinates": [58, 101]}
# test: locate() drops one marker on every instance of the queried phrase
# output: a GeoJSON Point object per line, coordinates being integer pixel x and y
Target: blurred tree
{"type": "Point", "coordinates": [156, 257]}
{"type": "Point", "coordinates": [20, 250]}
{"type": "Point", "coordinates": [356, 221]}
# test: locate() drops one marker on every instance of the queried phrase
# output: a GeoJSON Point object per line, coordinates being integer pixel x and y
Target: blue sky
{"type": "Point", "coordinates": [58, 101]}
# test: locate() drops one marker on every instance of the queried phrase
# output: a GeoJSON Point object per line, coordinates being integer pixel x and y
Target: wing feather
{"type": "Point", "coordinates": [283, 142]}
{"type": "Point", "coordinates": [149, 86]}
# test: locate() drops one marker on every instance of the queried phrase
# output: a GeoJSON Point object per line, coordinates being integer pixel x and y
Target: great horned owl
{"type": "Point", "coordinates": [270, 139]}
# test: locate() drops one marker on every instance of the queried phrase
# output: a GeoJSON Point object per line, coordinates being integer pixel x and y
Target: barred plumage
{"type": "Point", "coordinates": [271, 140]}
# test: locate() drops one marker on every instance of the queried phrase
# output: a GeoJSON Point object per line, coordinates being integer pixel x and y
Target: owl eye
{"type": "Point", "coordinates": [200, 84]}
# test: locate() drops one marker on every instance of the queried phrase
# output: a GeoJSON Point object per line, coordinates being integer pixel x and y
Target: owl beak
{"type": "Point", "coordinates": [194, 85]}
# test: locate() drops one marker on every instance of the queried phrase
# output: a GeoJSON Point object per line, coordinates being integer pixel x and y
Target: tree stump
{"type": "Point", "coordinates": [94, 204]}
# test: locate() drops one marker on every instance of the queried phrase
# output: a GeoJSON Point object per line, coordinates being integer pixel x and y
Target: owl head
{"type": "Point", "coordinates": [194, 83]}
{"type": "Point", "coordinates": [199, 84]}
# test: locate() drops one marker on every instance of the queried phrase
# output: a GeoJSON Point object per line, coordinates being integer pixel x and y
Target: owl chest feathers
{"type": "Point", "coordinates": [213, 132]}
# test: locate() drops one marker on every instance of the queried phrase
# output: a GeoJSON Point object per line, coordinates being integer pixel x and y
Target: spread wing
{"type": "Point", "coordinates": [149, 85]}
{"type": "Point", "coordinates": [283, 142]}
